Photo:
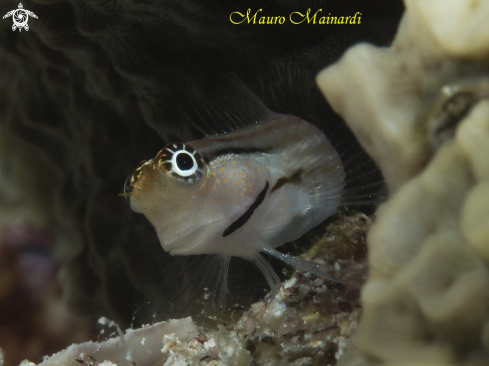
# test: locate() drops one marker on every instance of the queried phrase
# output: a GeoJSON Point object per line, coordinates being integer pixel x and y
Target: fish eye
{"type": "Point", "coordinates": [181, 161]}
{"type": "Point", "coordinates": [184, 163]}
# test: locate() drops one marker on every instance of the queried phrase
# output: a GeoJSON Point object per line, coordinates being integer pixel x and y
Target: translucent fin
{"type": "Point", "coordinates": [320, 270]}
{"type": "Point", "coordinates": [224, 106]}
{"type": "Point", "coordinates": [198, 288]}
{"type": "Point", "coordinates": [266, 268]}
{"type": "Point", "coordinates": [362, 183]}
{"type": "Point", "coordinates": [220, 289]}
{"type": "Point", "coordinates": [211, 292]}
{"type": "Point", "coordinates": [365, 194]}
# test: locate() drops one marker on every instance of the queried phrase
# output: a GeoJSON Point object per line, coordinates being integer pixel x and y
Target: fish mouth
{"type": "Point", "coordinates": [177, 240]}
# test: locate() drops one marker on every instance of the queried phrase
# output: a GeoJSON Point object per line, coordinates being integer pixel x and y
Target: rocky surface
{"type": "Point", "coordinates": [308, 323]}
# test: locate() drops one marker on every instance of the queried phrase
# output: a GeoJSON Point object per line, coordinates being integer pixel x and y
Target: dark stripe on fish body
{"type": "Point", "coordinates": [294, 178]}
{"type": "Point", "coordinates": [246, 216]}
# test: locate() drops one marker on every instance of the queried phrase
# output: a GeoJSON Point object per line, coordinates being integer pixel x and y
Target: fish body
{"type": "Point", "coordinates": [240, 193]}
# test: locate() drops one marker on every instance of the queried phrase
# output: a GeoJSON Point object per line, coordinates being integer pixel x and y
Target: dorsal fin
{"type": "Point", "coordinates": [226, 105]}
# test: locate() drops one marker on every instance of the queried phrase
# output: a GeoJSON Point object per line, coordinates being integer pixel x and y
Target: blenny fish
{"type": "Point", "coordinates": [242, 193]}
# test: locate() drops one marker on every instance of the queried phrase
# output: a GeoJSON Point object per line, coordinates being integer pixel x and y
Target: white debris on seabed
{"type": "Point", "coordinates": [232, 350]}
{"type": "Point", "coordinates": [126, 350]}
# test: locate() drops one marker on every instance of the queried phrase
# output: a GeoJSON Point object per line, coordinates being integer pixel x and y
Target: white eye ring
{"type": "Point", "coordinates": [177, 170]}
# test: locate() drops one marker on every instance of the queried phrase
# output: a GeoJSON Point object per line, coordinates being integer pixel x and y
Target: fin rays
{"type": "Point", "coordinates": [267, 270]}
{"type": "Point", "coordinates": [202, 286]}
{"type": "Point", "coordinates": [228, 106]}
{"type": "Point", "coordinates": [317, 269]}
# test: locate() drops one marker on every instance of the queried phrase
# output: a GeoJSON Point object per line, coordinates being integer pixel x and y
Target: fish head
{"type": "Point", "coordinates": [165, 188]}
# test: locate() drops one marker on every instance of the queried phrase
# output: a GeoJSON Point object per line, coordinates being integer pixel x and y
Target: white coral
{"type": "Point", "coordinates": [426, 300]}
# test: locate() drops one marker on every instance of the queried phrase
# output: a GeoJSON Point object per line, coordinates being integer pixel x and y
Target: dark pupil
{"type": "Point", "coordinates": [184, 161]}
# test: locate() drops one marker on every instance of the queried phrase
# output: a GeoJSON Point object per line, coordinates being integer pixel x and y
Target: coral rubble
{"type": "Point", "coordinates": [308, 323]}
{"type": "Point", "coordinates": [143, 346]}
